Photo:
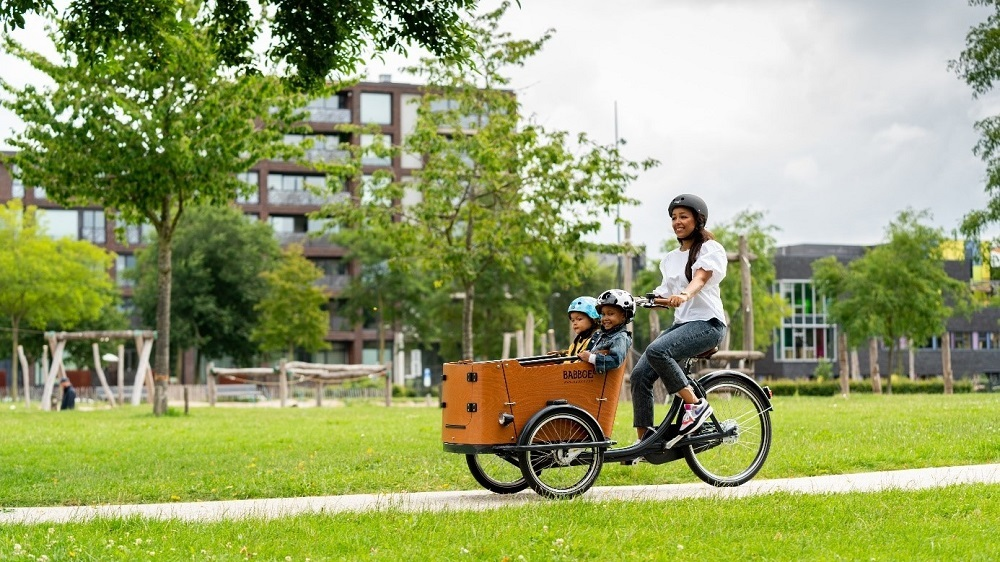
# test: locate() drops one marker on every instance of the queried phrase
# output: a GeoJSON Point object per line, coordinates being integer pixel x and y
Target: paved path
{"type": "Point", "coordinates": [481, 499]}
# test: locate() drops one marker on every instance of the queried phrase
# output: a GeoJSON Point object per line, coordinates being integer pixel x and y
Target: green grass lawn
{"type": "Point", "coordinates": [129, 456]}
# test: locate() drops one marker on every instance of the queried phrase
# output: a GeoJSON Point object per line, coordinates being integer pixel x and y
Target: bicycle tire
{"type": "Point", "coordinates": [734, 460]}
{"type": "Point", "coordinates": [496, 473]}
{"type": "Point", "coordinates": [566, 471]}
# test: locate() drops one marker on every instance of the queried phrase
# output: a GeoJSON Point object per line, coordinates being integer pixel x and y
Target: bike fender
{"type": "Point", "coordinates": [754, 386]}
{"type": "Point", "coordinates": [555, 408]}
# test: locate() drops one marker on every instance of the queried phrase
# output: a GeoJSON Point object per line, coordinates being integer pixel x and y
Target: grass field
{"type": "Point", "coordinates": [129, 456]}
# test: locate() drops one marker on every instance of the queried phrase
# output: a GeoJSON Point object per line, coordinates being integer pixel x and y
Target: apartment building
{"type": "Point", "coordinates": [807, 336]}
{"type": "Point", "coordinates": [282, 199]}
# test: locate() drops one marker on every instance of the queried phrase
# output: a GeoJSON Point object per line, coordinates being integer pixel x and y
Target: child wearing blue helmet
{"type": "Point", "coordinates": [583, 318]}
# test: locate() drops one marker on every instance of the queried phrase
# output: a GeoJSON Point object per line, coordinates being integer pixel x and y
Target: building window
{"type": "Point", "coordinates": [376, 108]}
{"type": "Point", "coordinates": [123, 264]}
{"type": "Point", "coordinates": [40, 193]}
{"type": "Point", "coordinates": [289, 224]}
{"type": "Point", "coordinates": [805, 335]}
{"type": "Point", "coordinates": [17, 186]}
{"type": "Point", "coordinates": [338, 322]}
{"type": "Point", "coordinates": [369, 157]}
{"type": "Point", "coordinates": [92, 227]}
{"type": "Point", "coordinates": [60, 223]}
{"type": "Point", "coordinates": [961, 340]}
{"type": "Point", "coordinates": [294, 182]}
{"type": "Point", "coordinates": [135, 234]}
{"type": "Point", "coordinates": [369, 355]}
{"type": "Point", "coordinates": [336, 355]}
{"type": "Point", "coordinates": [251, 197]}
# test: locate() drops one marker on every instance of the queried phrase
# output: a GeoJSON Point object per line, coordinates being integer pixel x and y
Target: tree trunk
{"type": "Point", "coordinates": [161, 364]}
{"type": "Point", "coordinates": [467, 307]}
{"type": "Point", "coordinates": [14, 322]}
{"type": "Point", "coordinates": [892, 355]}
{"type": "Point", "coordinates": [842, 363]}
{"type": "Point", "coordinates": [949, 380]}
{"type": "Point", "coordinates": [873, 366]}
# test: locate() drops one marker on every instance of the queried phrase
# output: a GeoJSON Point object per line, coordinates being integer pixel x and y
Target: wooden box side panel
{"type": "Point", "coordinates": [612, 391]}
{"type": "Point", "coordinates": [531, 386]}
{"type": "Point", "coordinates": [486, 394]}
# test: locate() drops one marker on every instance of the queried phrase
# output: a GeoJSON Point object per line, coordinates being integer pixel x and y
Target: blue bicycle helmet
{"type": "Point", "coordinates": [586, 305]}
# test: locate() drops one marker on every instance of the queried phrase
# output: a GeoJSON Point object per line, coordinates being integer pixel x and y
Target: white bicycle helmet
{"type": "Point", "coordinates": [619, 298]}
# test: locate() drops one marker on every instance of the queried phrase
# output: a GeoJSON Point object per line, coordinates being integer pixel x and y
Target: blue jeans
{"type": "Point", "coordinates": [660, 360]}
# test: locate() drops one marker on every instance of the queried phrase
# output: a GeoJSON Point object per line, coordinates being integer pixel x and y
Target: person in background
{"type": "Point", "coordinates": [68, 395]}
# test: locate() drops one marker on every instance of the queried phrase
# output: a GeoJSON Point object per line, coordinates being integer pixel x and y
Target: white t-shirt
{"type": "Point", "coordinates": [706, 303]}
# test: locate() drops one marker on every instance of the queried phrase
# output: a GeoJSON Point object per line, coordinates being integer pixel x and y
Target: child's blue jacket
{"type": "Point", "coordinates": [610, 348]}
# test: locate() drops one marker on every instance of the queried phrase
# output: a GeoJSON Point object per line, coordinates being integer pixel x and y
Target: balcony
{"type": "Point", "coordinates": [301, 197]}
{"type": "Point", "coordinates": [329, 115]}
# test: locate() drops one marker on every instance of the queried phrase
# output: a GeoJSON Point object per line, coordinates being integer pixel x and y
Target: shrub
{"type": "Point", "coordinates": [900, 385]}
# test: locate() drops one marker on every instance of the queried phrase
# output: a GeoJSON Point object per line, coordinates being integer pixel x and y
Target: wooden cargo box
{"type": "Point", "coordinates": [474, 396]}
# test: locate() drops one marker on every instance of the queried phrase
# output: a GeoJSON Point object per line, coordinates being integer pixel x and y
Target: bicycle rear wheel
{"type": "Point", "coordinates": [497, 473]}
{"type": "Point", "coordinates": [740, 411]}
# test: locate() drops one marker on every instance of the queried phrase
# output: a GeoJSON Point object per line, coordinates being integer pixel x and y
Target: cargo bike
{"type": "Point", "coordinates": [545, 422]}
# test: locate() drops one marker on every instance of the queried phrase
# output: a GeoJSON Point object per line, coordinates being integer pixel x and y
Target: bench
{"type": "Point", "coordinates": [240, 392]}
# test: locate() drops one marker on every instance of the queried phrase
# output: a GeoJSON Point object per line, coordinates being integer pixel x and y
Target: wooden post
{"type": "Point", "coordinates": [519, 342]}
{"type": "Point", "coordinates": [100, 374]}
{"type": "Point", "coordinates": [120, 367]}
{"type": "Point", "coordinates": [552, 339]}
{"type": "Point", "coordinates": [505, 354]}
{"type": "Point", "coordinates": [855, 365]}
{"type": "Point", "coordinates": [529, 334]}
{"type": "Point", "coordinates": [319, 391]}
{"type": "Point", "coordinates": [143, 370]}
{"type": "Point", "coordinates": [873, 365]}
{"type": "Point", "coordinates": [283, 382]}
{"type": "Point", "coordinates": [24, 376]}
{"type": "Point", "coordinates": [57, 351]}
{"type": "Point", "coordinates": [747, 294]}
{"type": "Point", "coordinates": [210, 382]}
{"type": "Point", "coordinates": [949, 379]}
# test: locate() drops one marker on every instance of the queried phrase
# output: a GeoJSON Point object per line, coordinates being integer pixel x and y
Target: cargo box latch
{"type": "Point", "coordinates": [471, 407]}
{"type": "Point", "coordinates": [472, 377]}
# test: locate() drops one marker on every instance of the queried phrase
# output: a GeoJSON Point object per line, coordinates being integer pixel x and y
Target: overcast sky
{"type": "Point", "coordinates": [830, 116]}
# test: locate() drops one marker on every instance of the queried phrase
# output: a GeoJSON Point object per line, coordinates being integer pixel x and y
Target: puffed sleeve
{"type": "Point", "coordinates": [712, 258]}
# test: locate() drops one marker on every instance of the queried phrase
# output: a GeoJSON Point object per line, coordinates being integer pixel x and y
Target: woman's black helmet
{"type": "Point", "coordinates": [693, 202]}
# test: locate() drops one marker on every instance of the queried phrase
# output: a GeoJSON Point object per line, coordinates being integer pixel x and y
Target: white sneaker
{"type": "Point", "coordinates": [694, 416]}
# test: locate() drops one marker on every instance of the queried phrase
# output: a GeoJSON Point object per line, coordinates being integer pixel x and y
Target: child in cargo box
{"type": "Point", "coordinates": [609, 346]}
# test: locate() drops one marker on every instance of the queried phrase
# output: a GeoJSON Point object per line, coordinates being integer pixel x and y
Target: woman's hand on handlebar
{"type": "Point", "coordinates": [653, 301]}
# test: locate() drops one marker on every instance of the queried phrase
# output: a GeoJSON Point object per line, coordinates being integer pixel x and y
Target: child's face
{"type": "Point", "coordinates": [611, 316]}
{"type": "Point", "coordinates": [580, 322]}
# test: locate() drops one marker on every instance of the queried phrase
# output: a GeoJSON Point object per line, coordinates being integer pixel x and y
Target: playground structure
{"type": "Point", "coordinates": [290, 373]}
{"type": "Point", "coordinates": [57, 344]}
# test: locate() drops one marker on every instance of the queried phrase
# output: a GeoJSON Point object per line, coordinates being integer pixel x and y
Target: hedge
{"type": "Point", "coordinates": [788, 387]}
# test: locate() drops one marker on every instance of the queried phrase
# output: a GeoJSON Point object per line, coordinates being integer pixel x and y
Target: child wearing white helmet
{"type": "Point", "coordinates": [609, 346]}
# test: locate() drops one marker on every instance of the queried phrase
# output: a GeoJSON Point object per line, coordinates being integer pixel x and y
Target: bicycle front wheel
{"type": "Point", "coordinates": [744, 417]}
{"type": "Point", "coordinates": [566, 465]}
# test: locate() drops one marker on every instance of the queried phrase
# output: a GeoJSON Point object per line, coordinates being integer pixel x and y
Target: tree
{"type": "Point", "coordinates": [312, 38]}
{"type": "Point", "coordinates": [979, 67]}
{"type": "Point", "coordinates": [768, 309]}
{"type": "Point", "coordinates": [146, 142]}
{"type": "Point", "coordinates": [218, 258]}
{"type": "Point", "coordinates": [898, 289]}
{"type": "Point", "coordinates": [292, 312]}
{"type": "Point", "coordinates": [45, 281]}
{"type": "Point", "coordinates": [495, 196]}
